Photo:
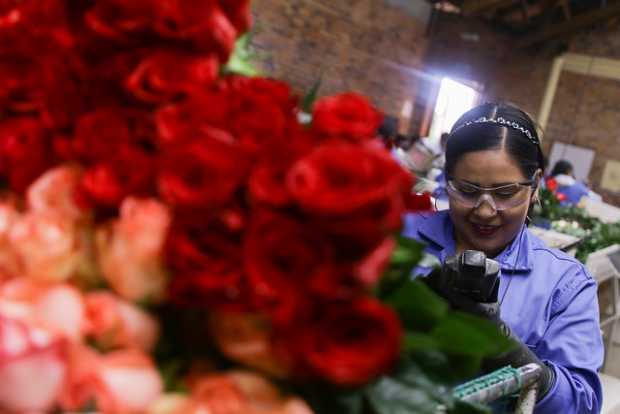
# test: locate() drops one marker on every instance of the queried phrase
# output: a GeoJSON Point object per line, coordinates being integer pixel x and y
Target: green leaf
{"type": "Point", "coordinates": [438, 366]}
{"type": "Point", "coordinates": [418, 306]}
{"type": "Point", "coordinates": [418, 341]}
{"type": "Point", "coordinates": [408, 252]}
{"type": "Point", "coordinates": [240, 61]}
{"type": "Point", "coordinates": [464, 367]}
{"type": "Point", "coordinates": [464, 334]}
{"type": "Point", "coordinates": [411, 389]}
{"type": "Point", "coordinates": [390, 396]}
{"type": "Point", "coordinates": [307, 101]}
{"type": "Point", "coordinates": [411, 374]}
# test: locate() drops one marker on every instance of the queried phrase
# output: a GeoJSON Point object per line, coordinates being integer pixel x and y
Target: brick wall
{"type": "Point", "coordinates": [469, 49]}
{"type": "Point", "coordinates": [374, 47]}
{"type": "Point", "coordinates": [599, 41]}
{"type": "Point", "coordinates": [380, 49]}
{"type": "Point", "coordinates": [586, 110]}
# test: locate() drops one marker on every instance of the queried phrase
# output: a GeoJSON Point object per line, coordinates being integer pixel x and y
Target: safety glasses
{"type": "Point", "coordinates": [500, 198]}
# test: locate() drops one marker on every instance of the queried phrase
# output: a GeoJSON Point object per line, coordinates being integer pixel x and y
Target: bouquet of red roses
{"type": "Point", "coordinates": [162, 218]}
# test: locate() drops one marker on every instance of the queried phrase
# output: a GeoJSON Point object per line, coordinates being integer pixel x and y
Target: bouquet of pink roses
{"type": "Point", "coordinates": [162, 219]}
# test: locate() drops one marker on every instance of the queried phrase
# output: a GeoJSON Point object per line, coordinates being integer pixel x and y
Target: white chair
{"type": "Point", "coordinates": [602, 267]}
{"type": "Point", "coordinates": [611, 394]}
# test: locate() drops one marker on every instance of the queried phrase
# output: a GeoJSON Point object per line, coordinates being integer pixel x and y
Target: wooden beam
{"type": "Point", "coordinates": [566, 9]}
{"type": "Point", "coordinates": [577, 22]}
{"type": "Point", "coordinates": [471, 7]}
{"type": "Point", "coordinates": [525, 11]}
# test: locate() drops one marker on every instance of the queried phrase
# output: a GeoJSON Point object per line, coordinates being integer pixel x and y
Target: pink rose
{"type": "Point", "coordinates": [128, 381]}
{"type": "Point", "coordinates": [32, 367]}
{"type": "Point", "coordinates": [55, 191]}
{"type": "Point", "coordinates": [9, 262]}
{"type": "Point", "coordinates": [239, 392]}
{"type": "Point", "coordinates": [62, 308]}
{"type": "Point", "coordinates": [169, 403]}
{"type": "Point", "coordinates": [48, 246]}
{"type": "Point", "coordinates": [120, 382]}
{"type": "Point", "coordinates": [117, 323]}
{"type": "Point", "coordinates": [246, 339]}
{"type": "Point", "coordinates": [130, 249]}
{"type": "Point", "coordinates": [56, 308]}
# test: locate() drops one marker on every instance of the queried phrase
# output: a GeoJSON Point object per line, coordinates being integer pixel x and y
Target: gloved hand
{"type": "Point", "coordinates": [469, 283]}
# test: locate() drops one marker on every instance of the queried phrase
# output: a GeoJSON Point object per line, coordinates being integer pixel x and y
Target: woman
{"type": "Point", "coordinates": [546, 298]}
{"type": "Point", "coordinates": [572, 190]}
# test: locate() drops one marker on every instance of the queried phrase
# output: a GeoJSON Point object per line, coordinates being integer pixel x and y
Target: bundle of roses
{"type": "Point", "coordinates": [162, 218]}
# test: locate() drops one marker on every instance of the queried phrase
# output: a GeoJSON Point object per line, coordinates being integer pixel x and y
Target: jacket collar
{"type": "Point", "coordinates": [516, 257]}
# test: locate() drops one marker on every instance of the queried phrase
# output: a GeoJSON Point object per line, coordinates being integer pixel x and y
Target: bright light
{"type": "Point", "coordinates": [454, 100]}
{"type": "Point", "coordinates": [407, 108]}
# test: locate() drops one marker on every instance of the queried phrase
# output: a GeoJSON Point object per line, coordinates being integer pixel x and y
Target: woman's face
{"type": "Point", "coordinates": [483, 227]}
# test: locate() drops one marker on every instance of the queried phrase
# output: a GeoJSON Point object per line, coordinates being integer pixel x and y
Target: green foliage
{"type": "Point", "coordinates": [599, 237]}
{"type": "Point", "coordinates": [551, 210]}
{"type": "Point", "coordinates": [240, 61]}
{"type": "Point", "coordinates": [412, 390]}
{"type": "Point", "coordinates": [441, 349]}
{"type": "Point", "coordinates": [576, 221]}
{"type": "Point", "coordinates": [307, 101]}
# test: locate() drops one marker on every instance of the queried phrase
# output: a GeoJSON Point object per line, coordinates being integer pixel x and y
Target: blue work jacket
{"type": "Point", "coordinates": [573, 193]}
{"type": "Point", "coordinates": [550, 302]}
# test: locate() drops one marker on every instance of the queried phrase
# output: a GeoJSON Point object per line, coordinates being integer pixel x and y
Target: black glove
{"type": "Point", "coordinates": [518, 356]}
{"type": "Point", "coordinates": [469, 282]}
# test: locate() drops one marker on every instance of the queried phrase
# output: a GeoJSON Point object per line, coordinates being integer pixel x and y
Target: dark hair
{"type": "Point", "coordinates": [503, 126]}
{"type": "Point", "coordinates": [406, 141]}
{"type": "Point", "coordinates": [388, 128]}
{"type": "Point", "coordinates": [562, 167]}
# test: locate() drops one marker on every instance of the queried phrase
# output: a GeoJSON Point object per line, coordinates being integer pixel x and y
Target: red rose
{"type": "Point", "coordinates": [201, 23]}
{"type": "Point", "coordinates": [349, 116]}
{"type": "Point", "coordinates": [106, 75]}
{"type": "Point", "coordinates": [551, 184]}
{"type": "Point", "coordinates": [560, 196]}
{"type": "Point", "coordinates": [267, 182]}
{"type": "Point", "coordinates": [24, 151]}
{"type": "Point", "coordinates": [338, 178]}
{"type": "Point", "coordinates": [127, 172]}
{"type": "Point", "coordinates": [238, 12]}
{"type": "Point", "coordinates": [64, 101]}
{"type": "Point", "coordinates": [353, 190]}
{"type": "Point", "coordinates": [262, 89]}
{"type": "Point", "coordinates": [31, 11]}
{"type": "Point", "coordinates": [202, 174]}
{"type": "Point", "coordinates": [206, 265]}
{"type": "Point", "coordinates": [166, 75]}
{"type": "Point", "coordinates": [205, 112]}
{"type": "Point", "coordinates": [122, 20]}
{"type": "Point", "coordinates": [350, 344]}
{"type": "Point", "coordinates": [285, 261]}
{"type": "Point", "coordinates": [100, 134]}
{"type": "Point", "coordinates": [33, 86]}
{"type": "Point", "coordinates": [418, 202]}
{"type": "Point", "coordinates": [33, 27]}
{"type": "Point", "coordinates": [370, 269]}
{"type": "Point", "coordinates": [259, 126]}
{"type": "Point", "coordinates": [21, 86]}
{"type": "Point", "coordinates": [263, 112]}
